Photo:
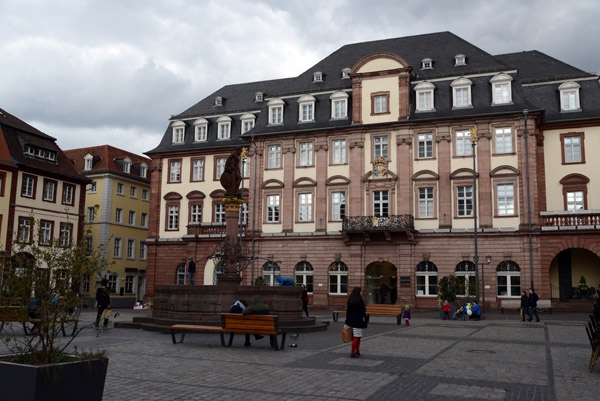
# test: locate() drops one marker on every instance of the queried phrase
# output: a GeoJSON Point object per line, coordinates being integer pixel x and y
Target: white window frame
{"type": "Point", "coordinates": [575, 200]}
{"type": "Point", "coordinates": [339, 151]}
{"type": "Point", "coordinates": [274, 156]}
{"type": "Point", "coordinates": [509, 274]}
{"type": "Point", "coordinates": [29, 183]}
{"type": "Point", "coordinates": [305, 154]}
{"type": "Point", "coordinates": [462, 199]}
{"type": "Point", "coordinates": [426, 64]}
{"type": "Point", "coordinates": [337, 276]}
{"type": "Point", "coordinates": [173, 217]}
{"type": "Point", "coordinates": [144, 220]}
{"type": "Point", "coordinates": [175, 171]}
{"type": "Point", "coordinates": [460, 59]}
{"type": "Point", "coordinates": [45, 235]}
{"type": "Point", "coordinates": [273, 208]}
{"type": "Point", "coordinates": [338, 205]}
{"type": "Point", "coordinates": [466, 271]}
{"type": "Point", "coordinates": [248, 120]}
{"type": "Point", "coordinates": [460, 101]}
{"type": "Point", "coordinates": [196, 213]}
{"type": "Point", "coordinates": [220, 167]}
{"type": "Point", "coordinates": [143, 170]}
{"type": "Point", "coordinates": [64, 237]}
{"type": "Point", "coordinates": [244, 213]}
{"type": "Point", "coordinates": [223, 128]}
{"type": "Point", "coordinates": [48, 194]}
{"type": "Point", "coordinates": [276, 111]}
{"type": "Point", "coordinates": [380, 104]}
{"type": "Point", "coordinates": [505, 199]}
{"type": "Point", "coordinates": [91, 213]}
{"type": "Point", "coordinates": [113, 283]}
{"type": "Point", "coordinates": [117, 247]}
{"type": "Point", "coordinates": [88, 161]}
{"type": "Point", "coordinates": [317, 76]}
{"type": "Point", "coordinates": [427, 275]}
{"type": "Point", "coordinates": [68, 194]}
{"type": "Point", "coordinates": [426, 202]}
{"type": "Point", "coordinates": [143, 250]}
{"type": "Point", "coordinates": [133, 192]}
{"type": "Point", "coordinates": [503, 140]}
{"type": "Point", "coordinates": [306, 109]}
{"type": "Point", "coordinates": [463, 143]}
{"type": "Point", "coordinates": [424, 97]}
{"type": "Point", "coordinates": [178, 132]}
{"type": "Point", "coordinates": [501, 89]}
{"type": "Point", "coordinates": [305, 201]}
{"type": "Point", "coordinates": [569, 96]}
{"type": "Point", "coordinates": [425, 145]}
{"type": "Point", "coordinates": [145, 195]}
{"type": "Point", "coordinates": [381, 203]}
{"type": "Point", "coordinates": [381, 146]}
{"type": "Point", "coordinates": [304, 274]}
{"type": "Point", "coordinates": [220, 213]}
{"type": "Point", "coordinates": [127, 165]}
{"type": "Point", "coordinates": [131, 218]}
{"type": "Point", "coordinates": [270, 270]}
{"type": "Point", "coordinates": [118, 215]}
{"type": "Point", "coordinates": [197, 169]}
{"type": "Point", "coordinates": [92, 187]}
{"type": "Point", "coordinates": [339, 105]}
{"type": "Point", "coordinates": [129, 284]}
{"type": "Point", "coordinates": [130, 248]}
{"type": "Point", "coordinates": [200, 130]}
{"type": "Point", "coordinates": [120, 188]}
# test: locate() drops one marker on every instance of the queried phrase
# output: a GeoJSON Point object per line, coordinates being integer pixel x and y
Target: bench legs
{"type": "Point", "coordinates": [399, 319]}
{"type": "Point", "coordinates": [62, 328]}
{"type": "Point", "coordinates": [335, 316]}
{"type": "Point", "coordinates": [273, 341]}
{"type": "Point", "coordinates": [173, 337]}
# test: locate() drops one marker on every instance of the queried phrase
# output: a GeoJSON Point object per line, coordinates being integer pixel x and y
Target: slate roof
{"type": "Point", "coordinates": [108, 159]}
{"type": "Point", "coordinates": [18, 133]}
{"type": "Point", "coordinates": [441, 48]}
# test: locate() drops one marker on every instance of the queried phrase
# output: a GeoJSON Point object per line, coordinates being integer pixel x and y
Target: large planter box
{"type": "Point", "coordinates": [71, 381]}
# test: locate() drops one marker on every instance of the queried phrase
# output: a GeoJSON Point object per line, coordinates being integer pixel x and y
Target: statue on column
{"type": "Point", "coordinates": [232, 177]}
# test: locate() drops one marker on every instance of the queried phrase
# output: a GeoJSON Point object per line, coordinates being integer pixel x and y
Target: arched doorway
{"type": "Point", "coordinates": [381, 283]}
{"type": "Point", "coordinates": [568, 268]}
{"type": "Point", "coordinates": [180, 274]}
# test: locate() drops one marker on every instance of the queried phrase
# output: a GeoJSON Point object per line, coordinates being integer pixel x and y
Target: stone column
{"type": "Point", "coordinates": [231, 247]}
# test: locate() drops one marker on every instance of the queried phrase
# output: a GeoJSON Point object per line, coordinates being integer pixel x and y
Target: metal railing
{"type": "Point", "coordinates": [373, 223]}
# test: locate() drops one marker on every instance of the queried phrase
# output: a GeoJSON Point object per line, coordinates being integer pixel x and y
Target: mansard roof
{"type": "Point", "coordinates": [108, 159]}
{"type": "Point", "coordinates": [530, 67]}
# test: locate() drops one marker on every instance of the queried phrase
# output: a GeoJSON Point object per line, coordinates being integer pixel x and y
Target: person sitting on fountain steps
{"type": "Point", "coordinates": [257, 308]}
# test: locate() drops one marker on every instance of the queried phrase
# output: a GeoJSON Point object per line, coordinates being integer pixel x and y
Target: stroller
{"type": "Point", "coordinates": [462, 312]}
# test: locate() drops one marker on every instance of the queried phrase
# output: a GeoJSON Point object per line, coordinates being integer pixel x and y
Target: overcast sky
{"type": "Point", "coordinates": [93, 72]}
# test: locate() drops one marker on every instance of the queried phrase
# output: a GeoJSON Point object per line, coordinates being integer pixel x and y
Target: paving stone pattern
{"type": "Point", "coordinates": [429, 360]}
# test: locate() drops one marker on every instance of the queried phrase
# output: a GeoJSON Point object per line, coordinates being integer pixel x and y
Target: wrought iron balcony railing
{"type": "Point", "coordinates": [576, 218]}
{"type": "Point", "coordinates": [400, 222]}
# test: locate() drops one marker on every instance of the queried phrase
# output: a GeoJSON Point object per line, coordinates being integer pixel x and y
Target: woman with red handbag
{"type": "Point", "coordinates": [356, 317]}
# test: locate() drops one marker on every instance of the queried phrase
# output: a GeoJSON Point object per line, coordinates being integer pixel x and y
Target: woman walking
{"type": "Point", "coordinates": [356, 317]}
{"type": "Point", "coordinates": [524, 304]}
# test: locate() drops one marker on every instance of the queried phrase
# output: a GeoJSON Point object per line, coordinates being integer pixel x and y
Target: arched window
{"type": "Point", "coordinates": [180, 274]}
{"type": "Point", "coordinates": [427, 279]}
{"type": "Point", "coordinates": [270, 270]}
{"type": "Point", "coordinates": [304, 275]}
{"type": "Point", "coordinates": [338, 278]}
{"type": "Point", "coordinates": [465, 271]}
{"type": "Point", "coordinates": [508, 279]}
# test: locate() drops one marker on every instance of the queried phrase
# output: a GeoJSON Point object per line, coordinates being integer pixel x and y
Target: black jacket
{"type": "Point", "coordinates": [103, 297]}
{"type": "Point", "coordinates": [524, 301]}
{"type": "Point", "coordinates": [533, 298]}
{"type": "Point", "coordinates": [356, 315]}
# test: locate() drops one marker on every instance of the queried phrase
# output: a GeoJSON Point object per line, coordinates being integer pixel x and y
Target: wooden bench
{"type": "Point", "coordinates": [516, 304]}
{"type": "Point", "coordinates": [20, 314]}
{"type": "Point", "coordinates": [377, 309]}
{"type": "Point", "coordinates": [233, 323]}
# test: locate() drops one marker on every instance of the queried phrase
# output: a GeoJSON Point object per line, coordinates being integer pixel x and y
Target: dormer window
{"type": "Point", "coordinates": [424, 95]}
{"type": "Point", "coordinates": [346, 73]}
{"type": "Point", "coordinates": [143, 170]}
{"type": "Point", "coordinates": [461, 93]}
{"type": "Point", "coordinates": [318, 76]}
{"type": "Point", "coordinates": [248, 120]}
{"type": "Point", "coordinates": [127, 165]}
{"type": "Point", "coordinates": [276, 111]}
{"type": "Point", "coordinates": [218, 101]}
{"type": "Point", "coordinates": [258, 97]}
{"type": "Point", "coordinates": [200, 130]}
{"type": "Point", "coordinates": [569, 96]}
{"type": "Point", "coordinates": [178, 131]}
{"type": "Point", "coordinates": [29, 150]}
{"type": "Point", "coordinates": [306, 109]}
{"type": "Point", "coordinates": [223, 127]}
{"type": "Point", "coordinates": [339, 105]}
{"type": "Point", "coordinates": [501, 89]}
{"type": "Point", "coordinates": [426, 64]}
{"type": "Point", "coordinates": [460, 59]}
{"type": "Point", "coordinates": [88, 162]}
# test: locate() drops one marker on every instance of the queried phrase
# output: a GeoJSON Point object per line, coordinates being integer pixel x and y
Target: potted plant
{"type": "Point", "coordinates": [40, 289]}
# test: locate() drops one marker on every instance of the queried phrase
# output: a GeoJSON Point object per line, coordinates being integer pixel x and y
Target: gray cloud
{"type": "Point", "coordinates": [93, 72]}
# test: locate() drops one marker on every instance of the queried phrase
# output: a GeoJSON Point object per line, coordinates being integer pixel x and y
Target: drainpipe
{"type": "Point", "coordinates": [525, 112]}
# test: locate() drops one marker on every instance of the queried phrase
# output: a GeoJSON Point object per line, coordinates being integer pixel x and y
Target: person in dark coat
{"type": "Point", "coordinates": [356, 317]}
{"type": "Point", "coordinates": [383, 291]}
{"type": "Point", "coordinates": [524, 304]}
{"type": "Point", "coordinates": [304, 297]}
{"type": "Point", "coordinates": [257, 308]}
{"type": "Point", "coordinates": [103, 301]}
{"type": "Point", "coordinates": [191, 270]}
{"type": "Point", "coordinates": [532, 302]}
{"type": "Point", "coordinates": [238, 306]}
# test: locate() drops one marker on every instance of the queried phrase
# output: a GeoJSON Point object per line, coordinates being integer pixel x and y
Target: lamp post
{"type": "Point", "coordinates": [474, 138]}
{"type": "Point", "coordinates": [488, 260]}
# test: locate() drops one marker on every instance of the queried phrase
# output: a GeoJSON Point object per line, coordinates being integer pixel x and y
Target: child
{"type": "Point", "coordinates": [446, 309]}
{"type": "Point", "coordinates": [406, 315]}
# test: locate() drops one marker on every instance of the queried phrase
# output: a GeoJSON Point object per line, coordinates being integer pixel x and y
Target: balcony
{"type": "Point", "coordinates": [372, 225]}
{"type": "Point", "coordinates": [570, 220]}
{"type": "Point", "coordinates": [209, 229]}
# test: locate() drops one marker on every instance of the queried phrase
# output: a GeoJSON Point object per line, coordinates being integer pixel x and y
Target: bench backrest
{"type": "Point", "coordinates": [384, 307]}
{"type": "Point", "coordinates": [544, 303]}
{"type": "Point", "coordinates": [508, 303]}
{"type": "Point", "coordinates": [236, 321]}
{"type": "Point", "coordinates": [13, 313]}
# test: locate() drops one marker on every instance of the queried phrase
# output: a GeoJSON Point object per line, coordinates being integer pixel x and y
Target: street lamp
{"type": "Point", "coordinates": [474, 138]}
{"type": "Point", "coordinates": [488, 260]}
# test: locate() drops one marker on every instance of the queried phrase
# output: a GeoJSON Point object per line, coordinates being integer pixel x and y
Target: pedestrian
{"type": "Point", "coordinates": [475, 311]}
{"type": "Point", "coordinates": [257, 308]}
{"type": "Point", "coordinates": [446, 309]}
{"type": "Point", "coordinates": [383, 290]}
{"type": "Point", "coordinates": [406, 315]}
{"type": "Point", "coordinates": [191, 270]}
{"type": "Point", "coordinates": [103, 302]}
{"type": "Point", "coordinates": [532, 303]}
{"type": "Point", "coordinates": [238, 306]}
{"type": "Point", "coordinates": [524, 304]}
{"type": "Point", "coordinates": [356, 317]}
{"type": "Point", "coordinates": [304, 297]}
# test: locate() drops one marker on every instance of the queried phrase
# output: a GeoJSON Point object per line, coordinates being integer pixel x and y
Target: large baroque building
{"type": "Point", "coordinates": [117, 207]}
{"type": "Point", "coordinates": [41, 194]}
{"type": "Point", "coordinates": [361, 171]}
